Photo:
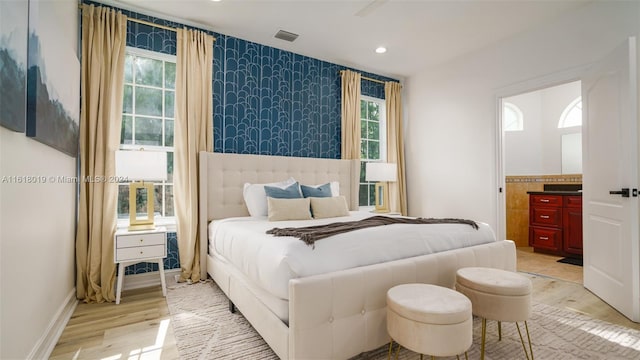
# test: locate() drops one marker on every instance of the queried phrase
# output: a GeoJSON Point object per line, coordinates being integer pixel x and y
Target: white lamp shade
{"type": "Point", "coordinates": [141, 165]}
{"type": "Point", "coordinates": [378, 171]}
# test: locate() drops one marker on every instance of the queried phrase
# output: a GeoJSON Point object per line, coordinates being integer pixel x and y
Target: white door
{"type": "Point", "coordinates": [610, 154]}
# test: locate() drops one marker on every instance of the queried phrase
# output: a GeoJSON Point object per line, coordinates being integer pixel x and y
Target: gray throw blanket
{"type": "Point", "coordinates": [311, 234]}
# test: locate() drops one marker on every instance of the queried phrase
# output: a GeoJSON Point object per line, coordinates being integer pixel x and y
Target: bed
{"type": "Point", "coordinates": [327, 315]}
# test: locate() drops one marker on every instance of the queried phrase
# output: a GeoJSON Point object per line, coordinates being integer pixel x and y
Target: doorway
{"type": "Point", "coordinates": [541, 135]}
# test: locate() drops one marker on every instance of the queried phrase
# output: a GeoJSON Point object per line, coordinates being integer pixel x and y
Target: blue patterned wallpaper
{"type": "Point", "coordinates": [265, 100]}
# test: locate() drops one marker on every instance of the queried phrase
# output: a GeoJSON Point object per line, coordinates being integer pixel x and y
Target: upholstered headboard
{"type": "Point", "coordinates": [222, 178]}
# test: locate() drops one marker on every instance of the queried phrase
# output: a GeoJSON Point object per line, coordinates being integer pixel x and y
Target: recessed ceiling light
{"type": "Point", "coordinates": [216, 0]}
{"type": "Point", "coordinates": [381, 50]}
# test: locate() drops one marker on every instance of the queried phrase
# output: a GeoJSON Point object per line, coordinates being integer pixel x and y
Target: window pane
{"type": "Point", "coordinates": [126, 132]}
{"type": "Point", "coordinates": [169, 100]}
{"type": "Point", "coordinates": [374, 111]}
{"type": "Point", "coordinates": [374, 150]}
{"type": "Point", "coordinates": [148, 101]}
{"type": "Point", "coordinates": [363, 109]}
{"type": "Point", "coordinates": [364, 195]}
{"type": "Point", "coordinates": [148, 72]}
{"type": "Point", "coordinates": [363, 149]}
{"type": "Point", "coordinates": [148, 131]}
{"type": "Point", "coordinates": [127, 99]}
{"type": "Point", "coordinates": [372, 194]}
{"type": "Point", "coordinates": [157, 200]}
{"type": "Point", "coordinates": [363, 129]}
{"type": "Point", "coordinates": [168, 133]}
{"type": "Point", "coordinates": [169, 167]}
{"type": "Point", "coordinates": [128, 68]}
{"type": "Point", "coordinates": [363, 173]}
{"type": "Point", "coordinates": [373, 130]}
{"type": "Point", "coordinates": [168, 200]}
{"type": "Point", "coordinates": [123, 201]}
{"type": "Point", "coordinates": [169, 75]}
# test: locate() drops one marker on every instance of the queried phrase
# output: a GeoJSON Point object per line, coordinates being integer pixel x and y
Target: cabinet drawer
{"type": "Point", "coordinates": [140, 252]}
{"type": "Point", "coordinates": [545, 238]}
{"type": "Point", "coordinates": [544, 216]}
{"type": "Point", "coordinates": [546, 200]}
{"type": "Point", "coordinates": [573, 201]}
{"type": "Point", "coordinates": [126, 241]}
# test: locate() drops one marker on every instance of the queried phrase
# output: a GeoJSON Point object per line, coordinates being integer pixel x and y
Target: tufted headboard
{"type": "Point", "coordinates": [222, 178]}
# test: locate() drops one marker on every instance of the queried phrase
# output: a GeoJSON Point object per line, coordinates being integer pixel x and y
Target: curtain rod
{"type": "Point", "coordinates": [369, 79]}
{"type": "Point", "coordinates": [149, 23]}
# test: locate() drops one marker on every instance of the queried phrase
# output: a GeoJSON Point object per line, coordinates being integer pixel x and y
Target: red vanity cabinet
{"type": "Point", "coordinates": [555, 223]}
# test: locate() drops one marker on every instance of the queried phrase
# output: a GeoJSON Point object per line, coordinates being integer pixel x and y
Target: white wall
{"type": "Point", "coordinates": [451, 131]}
{"type": "Point", "coordinates": [37, 231]}
{"type": "Point", "coordinates": [537, 149]}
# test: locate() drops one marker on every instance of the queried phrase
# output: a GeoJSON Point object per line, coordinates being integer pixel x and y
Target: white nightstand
{"type": "Point", "coordinates": [132, 247]}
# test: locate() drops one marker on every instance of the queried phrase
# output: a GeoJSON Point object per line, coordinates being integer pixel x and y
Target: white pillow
{"type": "Point", "coordinates": [328, 207]}
{"type": "Point", "coordinates": [256, 198]}
{"type": "Point", "coordinates": [288, 209]}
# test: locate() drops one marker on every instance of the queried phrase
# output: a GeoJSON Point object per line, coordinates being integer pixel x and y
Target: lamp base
{"type": "Point", "coordinates": [141, 227]}
{"type": "Point", "coordinates": [382, 197]}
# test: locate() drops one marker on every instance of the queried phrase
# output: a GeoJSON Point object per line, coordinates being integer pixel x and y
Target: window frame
{"type": "Point", "coordinates": [167, 221]}
{"type": "Point", "coordinates": [382, 149]}
{"type": "Point", "coordinates": [519, 116]}
{"type": "Point", "coordinates": [567, 110]}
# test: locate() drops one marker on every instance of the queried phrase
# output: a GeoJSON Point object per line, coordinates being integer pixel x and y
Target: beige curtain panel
{"type": "Point", "coordinates": [193, 133]}
{"type": "Point", "coordinates": [350, 114]}
{"type": "Point", "coordinates": [103, 45]}
{"type": "Point", "coordinates": [395, 146]}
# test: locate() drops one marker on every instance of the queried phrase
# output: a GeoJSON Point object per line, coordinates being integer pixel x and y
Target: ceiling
{"type": "Point", "coordinates": [417, 34]}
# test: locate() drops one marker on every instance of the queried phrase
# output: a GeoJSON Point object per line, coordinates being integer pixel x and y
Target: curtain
{"type": "Point", "coordinates": [193, 133]}
{"type": "Point", "coordinates": [395, 146]}
{"type": "Point", "coordinates": [103, 46]}
{"type": "Point", "coordinates": [350, 114]}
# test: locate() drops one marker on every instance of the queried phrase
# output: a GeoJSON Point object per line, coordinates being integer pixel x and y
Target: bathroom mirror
{"type": "Point", "coordinates": [572, 153]}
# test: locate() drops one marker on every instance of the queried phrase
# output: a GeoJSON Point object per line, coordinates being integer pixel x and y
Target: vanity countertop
{"type": "Point", "coordinates": [556, 192]}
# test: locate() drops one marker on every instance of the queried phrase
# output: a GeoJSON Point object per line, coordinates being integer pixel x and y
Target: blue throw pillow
{"type": "Point", "coordinates": [320, 191]}
{"type": "Point", "coordinates": [290, 192]}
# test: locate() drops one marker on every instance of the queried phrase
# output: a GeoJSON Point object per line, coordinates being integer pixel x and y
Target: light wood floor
{"type": "Point", "coordinates": [139, 327]}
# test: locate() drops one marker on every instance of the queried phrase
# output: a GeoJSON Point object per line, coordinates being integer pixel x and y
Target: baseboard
{"type": "Point", "coordinates": [49, 339]}
{"type": "Point", "coordinates": [136, 281]}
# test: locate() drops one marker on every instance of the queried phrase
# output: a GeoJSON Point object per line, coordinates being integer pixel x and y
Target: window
{"type": "Point", "coordinates": [147, 119]}
{"type": "Point", "coordinates": [373, 143]}
{"type": "Point", "coordinates": [512, 118]}
{"type": "Point", "coordinates": [572, 114]}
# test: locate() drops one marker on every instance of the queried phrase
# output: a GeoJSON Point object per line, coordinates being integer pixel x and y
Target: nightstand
{"type": "Point", "coordinates": [132, 247]}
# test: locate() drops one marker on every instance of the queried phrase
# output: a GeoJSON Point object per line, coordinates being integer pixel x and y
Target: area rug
{"type": "Point", "coordinates": [205, 329]}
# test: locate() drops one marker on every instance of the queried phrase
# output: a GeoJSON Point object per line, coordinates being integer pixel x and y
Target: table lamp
{"type": "Point", "coordinates": [139, 166]}
{"type": "Point", "coordinates": [382, 173]}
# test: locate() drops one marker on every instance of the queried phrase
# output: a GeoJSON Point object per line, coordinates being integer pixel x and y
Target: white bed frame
{"type": "Point", "coordinates": [331, 316]}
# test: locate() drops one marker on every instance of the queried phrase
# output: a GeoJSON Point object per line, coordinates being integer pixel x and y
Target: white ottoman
{"type": "Point", "coordinates": [497, 295]}
{"type": "Point", "coordinates": [429, 319]}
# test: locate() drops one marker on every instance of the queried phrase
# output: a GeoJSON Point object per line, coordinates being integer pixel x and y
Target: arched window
{"type": "Point", "coordinates": [572, 114]}
{"type": "Point", "coordinates": [512, 118]}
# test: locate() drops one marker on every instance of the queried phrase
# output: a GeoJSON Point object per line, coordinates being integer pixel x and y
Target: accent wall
{"type": "Point", "coordinates": [265, 100]}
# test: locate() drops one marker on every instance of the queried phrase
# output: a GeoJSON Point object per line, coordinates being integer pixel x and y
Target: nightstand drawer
{"type": "Point", "coordinates": [126, 241]}
{"type": "Point", "coordinates": [140, 252]}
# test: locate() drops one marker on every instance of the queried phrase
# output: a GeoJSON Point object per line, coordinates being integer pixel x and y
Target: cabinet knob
{"type": "Point", "coordinates": [544, 200]}
{"type": "Point", "coordinates": [544, 216]}
{"type": "Point", "coordinates": [544, 238]}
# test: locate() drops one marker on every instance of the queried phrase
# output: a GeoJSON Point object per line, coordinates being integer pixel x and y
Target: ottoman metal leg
{"type": "Point", "coordinates": [499, 330]}
{"type": "Point", "coordinates": [484, 333]}
{"type": "Point", "coordinates": [526, 353]}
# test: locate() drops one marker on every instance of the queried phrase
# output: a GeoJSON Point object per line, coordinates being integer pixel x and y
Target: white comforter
{"type": "Point", "coordinates": [272, 261]}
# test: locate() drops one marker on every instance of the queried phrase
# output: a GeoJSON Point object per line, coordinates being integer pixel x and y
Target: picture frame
{"type": "Point", "coordinates": [14, 16]}
{"type": "Point", "coordinates": [53, 80]}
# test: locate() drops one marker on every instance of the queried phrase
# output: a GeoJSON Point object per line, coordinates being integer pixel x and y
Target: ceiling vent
{"type": "Point", "coordinates": [286, 36]}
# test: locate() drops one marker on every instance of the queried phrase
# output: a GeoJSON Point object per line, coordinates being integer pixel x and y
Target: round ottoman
{"type": "Point", "coordinates": [429, 319]}
{"type": "Point", "coordinates": [499, 295]}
